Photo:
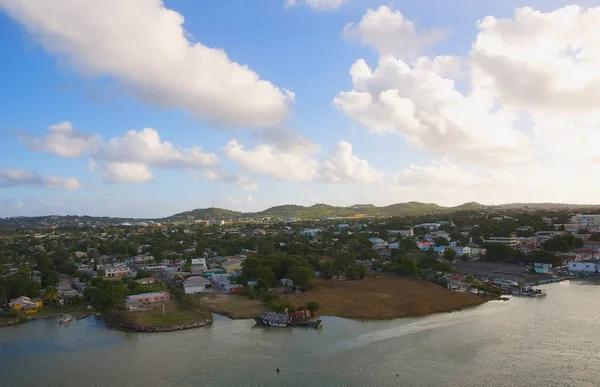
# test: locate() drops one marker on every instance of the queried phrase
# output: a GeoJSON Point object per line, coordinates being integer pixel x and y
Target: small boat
{"type": "Point", "coordinates": [67, 318]}
{"type": "Point", "coordinates": [527, 291]}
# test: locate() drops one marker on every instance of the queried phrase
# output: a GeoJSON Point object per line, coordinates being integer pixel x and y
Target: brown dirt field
{"type": "Point", "coordinates": [382, 298]}
{"type": "Point", "coordinates": [233, 306]}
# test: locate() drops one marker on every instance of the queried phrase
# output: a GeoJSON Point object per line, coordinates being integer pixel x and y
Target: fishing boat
{"type": "Point", "coordinates": [527, 291]}
{"type": "Point", "coordinates": [272, 319]}
{"type": "Point", "coordinates": [299, 318]}
{"type": "Point", "coordinates": [67, 318]}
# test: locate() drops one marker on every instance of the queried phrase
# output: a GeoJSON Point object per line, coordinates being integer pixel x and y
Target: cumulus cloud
{"type": "Point", "coordinates": [65, 141]}
{"type": "Point", "coordinates": [266, 160]}
{"type": "Point", "coordinates": [317, 5]}
{"type": "Point", "coordinates": [430, 112]}
{"type": "Point", "coordinates": [230, 178]}
{"type": "Point", "coordinates": [128, 159]}
{"type": "Point", "coordinates": [125, 173]}
{"type": "Point", "coordinates": [143, 46]}
{"type": "Point", "coordinates": [24, 178]}
{"type": "Point", "coordinates": [390, 32]}
{"type": "Point", "coordinates": [544, 63]}
{"type": "Point", "coordinates": [341, 166]}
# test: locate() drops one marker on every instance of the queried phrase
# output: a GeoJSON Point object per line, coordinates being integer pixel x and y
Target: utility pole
{"type": "Point", "coordinates": [163, 309]}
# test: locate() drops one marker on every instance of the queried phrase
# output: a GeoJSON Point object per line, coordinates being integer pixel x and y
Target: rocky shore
{"type": "Point", "coordinates": [133, 327]}
{"type": "Point", "coordinates": [8, 323]}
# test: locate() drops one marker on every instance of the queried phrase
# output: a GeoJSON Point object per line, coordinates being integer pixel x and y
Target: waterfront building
{"type": "Point", "coordinates": [148, 298]}
{"type": "Point", "coordinates": [584, 267]}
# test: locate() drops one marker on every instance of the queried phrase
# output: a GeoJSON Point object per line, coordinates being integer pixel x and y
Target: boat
{"type": "Point", "coordinates": [505, 282]}
{"type": "Point", "coordinates": [67, 318]}
{"type": "Point", "coordinates": [527, 291]}
{"type": "Point", "coordinates": [273, 319]}
{"type": "Point", "coordinates": [299, 318]}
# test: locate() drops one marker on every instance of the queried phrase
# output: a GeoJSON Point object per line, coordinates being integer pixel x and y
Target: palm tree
{"type": "Point", "coordinates": [50, 295]}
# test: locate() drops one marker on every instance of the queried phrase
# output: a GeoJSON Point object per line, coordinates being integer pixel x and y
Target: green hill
{"type": "Point", "coordinates": [206, 214]}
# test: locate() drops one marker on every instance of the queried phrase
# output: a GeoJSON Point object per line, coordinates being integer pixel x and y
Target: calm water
{"type": "Point", "coordinates": [522, 342]}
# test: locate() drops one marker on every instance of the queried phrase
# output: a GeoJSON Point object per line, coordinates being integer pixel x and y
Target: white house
{"type": "Point", "coordinates": [461, 250]}
{"type": "Point", "coordinates": [311, 232]}
{"type": "Point", "coordinates": [116, 270]}
{"type": "Point", "coordinates": [197, 263]}
{"type": "Point", "coordinates": [378, 243]}
{"type": "Point", "coordinates": [196, 284]}
{"type": "Point", "coordinates": [588, 267]}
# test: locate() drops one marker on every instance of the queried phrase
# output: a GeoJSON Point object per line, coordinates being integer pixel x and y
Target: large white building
{"type": "Point", "coordinates": [310, 232]}
{"type": "Point", "coordinates": [590, 222]}
{"type": "Point", "coordinates": [378, 243]}
{"type": "Point", "coordinates": [115, 271]}
{"type": "Point", "coordinates": [511, 241]}
{"type": "Point", "coordinates": [587, 267]}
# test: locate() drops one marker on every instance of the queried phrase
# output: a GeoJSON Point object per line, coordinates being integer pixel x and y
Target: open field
{"type": "Point", "coordinates": [382, 298]}
{"type": "Point", "coordinates": [233, 306]}
{"type": "Point", "coordinates": [175, 315]}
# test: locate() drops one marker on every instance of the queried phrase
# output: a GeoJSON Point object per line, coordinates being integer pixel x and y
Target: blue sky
{"type": "Point", "coordinates": [454, 129]}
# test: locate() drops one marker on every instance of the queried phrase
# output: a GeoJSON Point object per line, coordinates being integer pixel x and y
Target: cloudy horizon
{"type": "Point", "coordinates": [172, 106]}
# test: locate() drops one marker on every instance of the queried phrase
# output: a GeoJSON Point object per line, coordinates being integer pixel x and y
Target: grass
{"type": "Point", "coordinates": [234, 306]}
{"type": "Point", "coordinates": [175, 314]}
{"type": "Point", "coordinates": [381, 298]}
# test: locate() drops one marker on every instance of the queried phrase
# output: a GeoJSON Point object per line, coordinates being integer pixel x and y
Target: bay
{"type": "Point", "coordinates": [548, 341]}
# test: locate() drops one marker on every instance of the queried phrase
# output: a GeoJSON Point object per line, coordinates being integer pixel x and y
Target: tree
{"type": "Point", "coordinates": [312, 306]}
{"type": "Point", "coordinates": [50, 278]}
{"type": "Point", "coordinates": [50, 295]}
{"type": "Point", "coordinates": [265, 274]}
{"type": "Point", "coordinates": [187, 267]}
{"type": "Point", "coordinates": [341, 260]}
{"type": "Point", "coordinates": [441, 242]}
{"type": "Point", "coordinates": [450, 255]}
{"type": "Point", "coordinates": [302, 276]}
{"type": "Point", "coordinates": [406, 266]}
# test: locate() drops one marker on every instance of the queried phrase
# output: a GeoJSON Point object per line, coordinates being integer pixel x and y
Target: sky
{"type": "Point", "coordinates": [146, 108]}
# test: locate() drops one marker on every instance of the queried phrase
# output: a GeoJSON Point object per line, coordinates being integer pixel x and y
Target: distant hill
{"type": "Point", "coordinates": [206, 213]}
{"type": "Point", "coordinates": [316, 211]}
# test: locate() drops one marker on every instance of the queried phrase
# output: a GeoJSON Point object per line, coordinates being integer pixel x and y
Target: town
{"type": "Point", "coordinates": [177, 273]}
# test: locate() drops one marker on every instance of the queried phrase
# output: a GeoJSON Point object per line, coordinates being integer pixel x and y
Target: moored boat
{"type": "Point", "coordinates": [272, 319]}
{"type": "Point", "coordinates": [67, 318]}
{"type": "Point", "coordinates": [527, 291]}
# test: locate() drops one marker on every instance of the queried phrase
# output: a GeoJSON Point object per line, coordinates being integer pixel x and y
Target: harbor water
{"type": "Point", "coordinates": [547, 341]}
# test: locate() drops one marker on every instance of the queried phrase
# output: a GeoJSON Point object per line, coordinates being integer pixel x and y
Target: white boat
{"type": "Point", "coordinates": [67, 318]}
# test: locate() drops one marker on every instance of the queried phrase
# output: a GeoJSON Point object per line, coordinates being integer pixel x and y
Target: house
{"type": "Point", "coordinates": [310, 232]}
{"type": "Point", "coordinates": [196, 284]}
{"type": "Point", "coordinates": [378, 243]}
{"type": "Point", "coordinates": [403, 233]}
{"type": "Point", "coordinates": [394, 245]}
{"type": "Point", "coordinates": [149, 298]}
{"type": "Point", "coordinates": [25, 304]}
{"type": "Point", "coordinates": [83, 267]}
{"type": "Point", "coordinates": [116, 271]}
{"type": "Point", "coordinates": [342, 226]}
{"type": "Point", "coordinates": [146, 281]}
{"type": "Point", "coordinates": [439, 250]}
{"type": "Point", "coordinates": [429, 226]}
{"type": "Point", "coordinates": [258, 231]}
{"type": "Point", "coordinates": [231, 265]}
{"type": "Point", "coordinates": [199, 263]}
{"type": "Point", "coordinates": [80, 254]}
{"type": "Point", "coordinates": [461, 250]}
{"type": "Point", "coordinates": [421, 243]}
{"type": "Point", "coordinates": [286, 282]}
{"type": "Point", "coordinates": [511, 241]}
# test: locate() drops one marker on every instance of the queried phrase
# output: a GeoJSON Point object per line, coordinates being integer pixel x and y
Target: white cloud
{"type": "Point", "coordinates": [143, 46]}
{"type": "Point", "coordinates": [546, 64]}
{"type": "Point", "coordinates": [389, 32]}
{"type": "Point", "coordinates": [341, 166]}
{"type": "Point", "coordinates": [125, 173]}
{"type": "Point", "coordinates": [317, 5]}
{"type": "Point", "coordinates": [127, 159]}
{"type": "Point", "coordinates": [148, 148]}
{"type": "Point", "coordinates": [430, 112]}
{"type": "Point", "coordinates": [10, 177]}
{"type": "Point", "coordinates": [266, 160]}
{"type": "Point", "coordinates": [63, 140]}
{"type": "Point", "coordinates": [230, 178]}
